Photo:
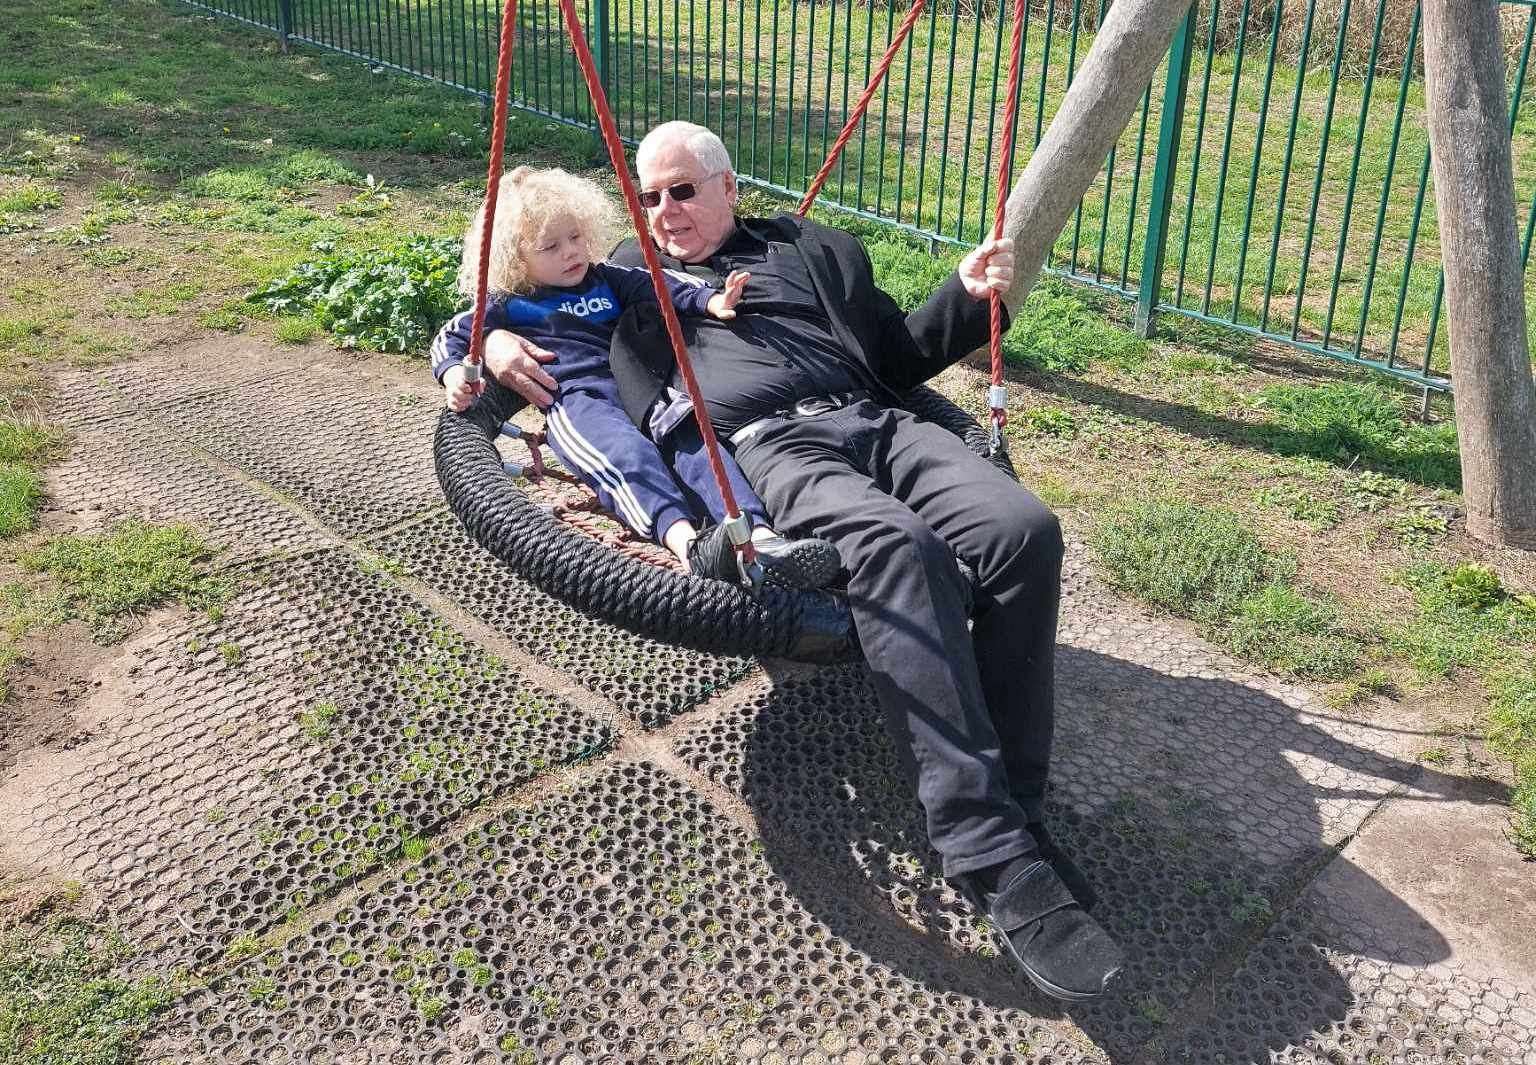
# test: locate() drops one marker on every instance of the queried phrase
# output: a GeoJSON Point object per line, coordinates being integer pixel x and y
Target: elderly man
{"type": "Point", "coordinates": [805, 384]}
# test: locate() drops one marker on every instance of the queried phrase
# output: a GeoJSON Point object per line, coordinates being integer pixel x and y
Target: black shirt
{"type": "Point", "coordinates": [779, 348]}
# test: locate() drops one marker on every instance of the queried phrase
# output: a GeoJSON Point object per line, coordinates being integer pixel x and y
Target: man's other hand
{"type": "Point", "coordinates": [987, 269]}
{"type": "Point", "coordinates": [517, 363]}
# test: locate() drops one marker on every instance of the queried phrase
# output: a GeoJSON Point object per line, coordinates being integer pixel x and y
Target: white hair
{"type": "Point", "coordinates": [700, 141]}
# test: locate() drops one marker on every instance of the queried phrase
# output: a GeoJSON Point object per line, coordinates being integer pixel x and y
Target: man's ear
{"type": "Point", "coordinates": [732, 191]}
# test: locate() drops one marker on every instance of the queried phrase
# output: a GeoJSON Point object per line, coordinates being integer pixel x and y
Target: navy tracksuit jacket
{"type": "Point", "coordinates": [586, 424]}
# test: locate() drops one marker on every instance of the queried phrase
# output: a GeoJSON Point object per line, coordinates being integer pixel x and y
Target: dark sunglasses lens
{"type": "Point", "coordinates": [652, 197]}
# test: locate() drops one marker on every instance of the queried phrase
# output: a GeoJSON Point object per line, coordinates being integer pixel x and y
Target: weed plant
{"type": "Point", "coordinates": [392, 299]}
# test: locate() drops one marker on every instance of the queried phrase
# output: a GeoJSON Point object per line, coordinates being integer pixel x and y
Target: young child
{"type": "Point", "coordinates": [547, 285]}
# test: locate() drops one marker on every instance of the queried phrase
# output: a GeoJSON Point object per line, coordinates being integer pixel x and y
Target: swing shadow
{"type": "Point", "coordinates": [1192, 803]}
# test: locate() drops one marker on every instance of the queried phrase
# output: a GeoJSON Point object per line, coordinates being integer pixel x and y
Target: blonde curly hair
{"type": "Point", "coordinates": [527, 200]}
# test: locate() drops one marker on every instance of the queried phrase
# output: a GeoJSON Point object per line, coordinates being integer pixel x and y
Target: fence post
{"type": "Point", "coordinates": [284, 23]}
{"type": "Point", "coordinates": [1150, 285]}
{"type": "Point", "coordinates": [600, 60]}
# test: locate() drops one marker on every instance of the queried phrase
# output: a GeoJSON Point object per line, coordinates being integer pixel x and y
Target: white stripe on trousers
{"type": "Point", "coordinates": [594, 462]}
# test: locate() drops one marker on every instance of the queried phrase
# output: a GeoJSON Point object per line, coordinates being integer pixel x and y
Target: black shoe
{"type": "Point", "coordinates": [1062, 950]}
{"type": "Point", "coordinates": [808, 563]}
{"type": "Point", "coordinates": [1064, 866]}
{"type": "Point", "coordinates": [781, 563]}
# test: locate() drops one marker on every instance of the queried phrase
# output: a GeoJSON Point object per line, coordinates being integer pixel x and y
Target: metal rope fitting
{"type": "Point", "coordinates": [997, 397]}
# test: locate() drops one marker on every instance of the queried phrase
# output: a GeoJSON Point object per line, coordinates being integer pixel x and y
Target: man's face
{"type": "Point", "coordinates": [689, 229]}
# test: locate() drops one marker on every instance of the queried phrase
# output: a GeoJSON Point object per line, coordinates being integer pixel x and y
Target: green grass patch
{"type": "Point", "coordinates": [1196, 562]}
{"type": "Point", "coordinates": [1208, 565]}
{"type": "Point", "coordinates": [1059, 328]}
{"type": "Point", "coordinates": [130, 568]}
{"type": "Point", "coordinates": [159, 300]}
{"type": "Point", "coordinates": [226, 319]}
{"type": "Point", "coordinates": [1288, 632]}
{"type": "Point", "coordinates": [1512, 733]}
{"type": "Point", "coordinates": [23, 440]}
{"type": "Point", "coordinates": [65, 1001]}
{"type": "Point", "coordinates": [295, 329]}
{"type": "Point", "coordinates": [1359, 424]}
{"type": "Point", "coordinates": [21, 492]}
{"type": "Point", "coordinates": [388, 299]}
{"type": "Point", "coordinates": [22, 205]}
{"type": "Point", "coordinates": [1468, 620]}
{"type": "Point", "coordinates": [273, 180]}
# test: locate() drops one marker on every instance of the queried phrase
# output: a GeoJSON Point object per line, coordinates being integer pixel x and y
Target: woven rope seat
{"type": "Point", "coordinates": [520, 528]}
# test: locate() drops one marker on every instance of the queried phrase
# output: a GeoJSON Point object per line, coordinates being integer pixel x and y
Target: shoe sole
{"type": "Point", "coordinates": [1054, 991]}
{"type": "Point", "coordinates": [803, 568]}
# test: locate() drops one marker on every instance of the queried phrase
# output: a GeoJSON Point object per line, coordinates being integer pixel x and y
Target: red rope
{"type": "Point", "coordinates": [492, 188]}
{"type": "Point", "coordinates": [1004, 180]}
{"type": "Point", "coordinates": [653, 264]}
{"type": "Point", "coordinates": [861, 106]}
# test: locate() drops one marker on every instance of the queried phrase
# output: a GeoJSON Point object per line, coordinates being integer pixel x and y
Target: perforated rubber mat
{"type": "Point", "coordinates": [1182, 880]}
{"type": "Point", "coordinates": [357, 459]}
{"type": "Point", "coordinates": [130, 469]}
{"type": "Point", "coordinates": [144, 385]}
{"type": "Point", "coordinates": [651, 680]}
{"type": "Point", "coordinates": [325, 722]}
{"type": "Point", "coordinates": [1349, 974]}
{"type": "Point", "coordinates": [623, 922]}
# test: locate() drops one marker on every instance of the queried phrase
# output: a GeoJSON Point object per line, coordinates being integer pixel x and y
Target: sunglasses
{"type": "Point", "coordinates": [680, 193]}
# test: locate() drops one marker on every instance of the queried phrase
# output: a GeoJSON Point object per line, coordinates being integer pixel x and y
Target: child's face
{"type": "Point", "coordinates": [557, 254]}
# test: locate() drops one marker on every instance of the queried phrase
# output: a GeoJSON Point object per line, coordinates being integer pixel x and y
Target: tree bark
{"type": "Point", "coordinates": [1103, 96]}
{"type": "Point", "coordinates": [1468, 116]}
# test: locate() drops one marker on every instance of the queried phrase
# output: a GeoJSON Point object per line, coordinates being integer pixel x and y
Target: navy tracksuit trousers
{"type": "Point", "coordinates": [971, 706]}
{"type": "Point", "coordinates": [648, 485]}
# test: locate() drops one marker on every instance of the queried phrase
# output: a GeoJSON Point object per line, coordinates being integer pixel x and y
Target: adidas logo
{"type": "Point", "coordinates": [587, 305]}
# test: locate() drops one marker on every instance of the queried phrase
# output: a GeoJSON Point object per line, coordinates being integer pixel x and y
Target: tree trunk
{"type": "Point", "coordinates": [1098, 105]}
{"type": "Point", "coordinates": [1468, 117]}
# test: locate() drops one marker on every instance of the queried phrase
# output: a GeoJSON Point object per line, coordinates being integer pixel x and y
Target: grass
{"type": "Point", "coordinates": [64, 999]}
{"type": "Point", "coordinates": [1209, 565]}
{"type": "Point", "coordinates": [1192, 561]}
{"type": "Point", "coordinates": [130, 568]}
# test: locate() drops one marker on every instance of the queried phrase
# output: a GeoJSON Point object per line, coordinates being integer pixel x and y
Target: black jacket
{"type": "Point", "coordinates": [897, 351]}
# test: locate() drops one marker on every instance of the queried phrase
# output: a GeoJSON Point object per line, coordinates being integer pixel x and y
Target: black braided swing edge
{"type": "Point", "coordinates": [706, 615]}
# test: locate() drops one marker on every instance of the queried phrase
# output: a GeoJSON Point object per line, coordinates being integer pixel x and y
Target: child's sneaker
{"type": "Point", "coordinates": [808, 563]}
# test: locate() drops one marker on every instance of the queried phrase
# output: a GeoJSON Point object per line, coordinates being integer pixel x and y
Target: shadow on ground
{"type": "Point", "coordinates": [1200, 807]}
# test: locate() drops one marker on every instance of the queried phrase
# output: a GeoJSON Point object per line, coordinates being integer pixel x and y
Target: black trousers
{"type": "Point", "coordinates": [971, 707]}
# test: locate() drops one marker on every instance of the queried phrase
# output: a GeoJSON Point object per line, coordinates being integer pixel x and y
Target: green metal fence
{"type": "Point", "coordinates": [1275, 180]}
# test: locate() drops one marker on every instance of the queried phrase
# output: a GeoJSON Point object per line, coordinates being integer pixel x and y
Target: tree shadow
{"type": "Point", "coordinates": [1335, 441]}
{"type": "Point", "coordinates": [1199, 807]}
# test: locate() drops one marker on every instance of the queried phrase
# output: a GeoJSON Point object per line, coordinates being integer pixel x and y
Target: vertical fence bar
{"type": "Point", "coordinates": [1253, 176]}
{"type": "Point", "coordinates": [284, 24]}
{"type": "Point", "coordinates": [1160, 204]}
{"type": "Point", "coordinates": [1130, 213]}
{"type": "Point", "coordinates": [1194, 162]}
{"type": "Point", "coordinates": [1386, 183]}
{"type": "Point", "coordinates": [1354, 170]}
{"type": "Point", "coordinates": [1322, 160]}
{"type": "Point", "coordinates": [949, 99]}
{"type": "Point", "coordinates": [601, 58]}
